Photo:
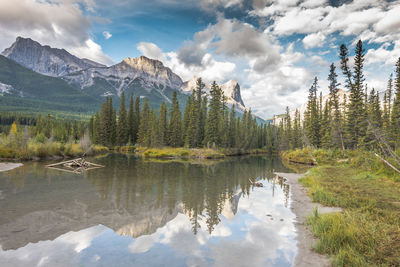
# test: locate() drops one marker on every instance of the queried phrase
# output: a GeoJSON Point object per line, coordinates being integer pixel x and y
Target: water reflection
{"type": "Point", "coordinates": [136, 212]}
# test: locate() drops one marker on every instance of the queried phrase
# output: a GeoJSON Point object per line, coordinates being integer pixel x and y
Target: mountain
{"type": "Point", "coordinates": [44, 59]}
{"type": "Point", "coordinates": [230, 89]}
{"type": "Point", "coordinates": [22, 89]}
{"type": "Point", "coordinates": [140, 76]}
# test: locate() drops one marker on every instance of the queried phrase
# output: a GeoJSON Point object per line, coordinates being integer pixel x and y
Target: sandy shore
{"type": "Point", "coordinates": [4, 166]}
{"type": "Point", "coordinates": [302, 206]}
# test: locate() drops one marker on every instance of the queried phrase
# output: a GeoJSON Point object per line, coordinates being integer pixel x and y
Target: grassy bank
{"type": "Point", "coordinates": [367, 232]}
{"type": "Point", "coordinates": [34, 150]}
{"type": "Point", "coordinates": [195, 153]}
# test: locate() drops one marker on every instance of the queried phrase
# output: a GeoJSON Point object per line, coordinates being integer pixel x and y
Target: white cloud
{"type": "Point", "coordinates": [107, 35]}
{"type": "Point", "coordinates": [209, 68]}
{"type": "Point", "coordinates": [58, 24]}
{"type": "Point", "coordinates": [390, 21]}
{"type": "Point", "coordinates": [314, 40]}
{"type": "Point", "coordinates": [151, 50]}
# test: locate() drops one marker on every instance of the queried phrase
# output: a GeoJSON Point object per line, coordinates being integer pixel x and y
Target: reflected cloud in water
{"type": "Point", "coordinates": [139, 213]}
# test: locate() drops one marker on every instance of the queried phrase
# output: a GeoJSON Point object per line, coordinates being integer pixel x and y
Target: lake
{"type": "Point", "coordinates": [136, 212]}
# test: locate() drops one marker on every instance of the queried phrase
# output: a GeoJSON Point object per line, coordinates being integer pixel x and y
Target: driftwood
{"type": "Point", "coordinates": [390, 165]}
{"type": "Point", "coordinates": [78, 165]}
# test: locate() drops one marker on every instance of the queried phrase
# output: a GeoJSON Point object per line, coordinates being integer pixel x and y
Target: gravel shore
{"type": "Point", "coordinates": [302, 206]}
{"type": "Point", "coordinates": [5, 166]}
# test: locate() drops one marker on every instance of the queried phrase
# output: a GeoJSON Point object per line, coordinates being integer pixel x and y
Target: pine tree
{"type": "Point", "coordinates": [163, 125]}
{"type": "Point", "coordinates": [356, 113]}
{"type": "Point", "coordinates": [143, 137]}
{"type": "Point", "coordinates": [213, 118]}
{"type": "Point", "coordinates": [336, 122]}
{"type": "Point", "coordinates": [198, 112]}
{"type": "Point", "coordinates": [136, 120]}
{"type": "Point", "coordinates": [395, 116]}
{"type": "Point", "coordinates": [122, 126]}
{"type": "Point", "coordinates": [374, 119]}
{"type": "Point", "coordinates": [297, 131]}
{"type": "Point", "coordinates": [131, 120]}
{"type": "Point", "coordinates": [326, 139]}
{"type": "Point", "coordinates": [113, 132]}
{"type": "Point", "coordinates": [190, 134]}
{"type": "Point", "coordinates": [175, 125]}
{"type": "Point", "coordinates": [312, 116]}
{"type": "Point", "coordinates": [232, 127]}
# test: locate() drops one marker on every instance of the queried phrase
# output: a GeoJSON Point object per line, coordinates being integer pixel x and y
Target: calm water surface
{"type": "Point", "coordinates": [147, 213]}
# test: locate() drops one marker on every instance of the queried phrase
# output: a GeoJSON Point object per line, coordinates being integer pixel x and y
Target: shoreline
{"type": "Point", "coordinates": [7, 166]}
{"type": "Point", "coordinates": [302, 206]}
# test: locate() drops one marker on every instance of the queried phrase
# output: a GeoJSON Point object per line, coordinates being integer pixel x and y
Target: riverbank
{"type": "Point", "coordinates": [367, 232]}
{"type": "Point", "coordinates": [303, 206]}
{"type": "Point", "coordinates": [193, 153]}
{"type": "Point", "coordinates": [48, 150]}
{"type": "Point", "coordinates": [7, 166]}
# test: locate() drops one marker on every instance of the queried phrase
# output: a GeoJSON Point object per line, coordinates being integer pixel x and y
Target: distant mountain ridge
{"type": "Point", "coordinates": [44, 59]}
{"type": "Point", "coordinates": [141, 76]}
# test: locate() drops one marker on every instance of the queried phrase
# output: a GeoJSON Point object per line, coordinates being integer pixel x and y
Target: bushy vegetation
{"type": "Point", "coordinates": [367, 232]}
{"type": "Point", "coordinates": [40, 137]}
{"type": "Point", "coordinates": [169, 152]}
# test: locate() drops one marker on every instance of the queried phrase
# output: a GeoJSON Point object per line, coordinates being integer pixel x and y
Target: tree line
{"type": "Point", "coordinates": [361, 121]}
{"type": "Point", "coordinates": [206, 121]}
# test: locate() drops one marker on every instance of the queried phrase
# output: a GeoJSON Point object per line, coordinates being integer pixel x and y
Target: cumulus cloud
{"type": "Point", "coordinates": [58, 24]}
{"type": "Point", "coordinates": [208, 68]}
{"type": "Point", "coordinates": [314, 40]}
{"type": "Point", "coordinates": [107, 35]}
{"type": "Point", "coordinates": [151, 50]}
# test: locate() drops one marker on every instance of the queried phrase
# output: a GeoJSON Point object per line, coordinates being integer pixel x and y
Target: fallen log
{"type": "Point", "coordinates": [390, 165]}
{"type": "Point", "coordinates": [75, 165]}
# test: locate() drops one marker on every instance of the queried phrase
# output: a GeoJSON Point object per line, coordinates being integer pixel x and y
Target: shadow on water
{"type": "Point", "coordinates": [144, 208]}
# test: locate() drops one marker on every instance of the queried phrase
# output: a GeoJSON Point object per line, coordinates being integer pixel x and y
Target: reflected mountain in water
{"type": "Point", "coordinates": [130, 196]}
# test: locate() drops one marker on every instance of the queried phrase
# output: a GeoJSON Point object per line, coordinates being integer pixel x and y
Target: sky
{"type": "Point", "coordinates": [273, 48]}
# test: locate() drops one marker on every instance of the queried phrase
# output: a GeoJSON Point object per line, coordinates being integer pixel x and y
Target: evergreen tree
{"type": "Point", "coordinates": [214, 116]}
{"type": "Point", "coordinates": [326, 139]}
{"type": "Point", "coordinates": [297, 131]}
{"type": "Point", "coordinates": [136, 120]}
{"type": "Point", "coordinates": [163, 125]}
{"type": "Point", "coordinates": [143, 133]}
{"type": "Point", "coordinates": [113, 132]}
{"type": "Point", "coordinates": [190, 134]}
{"type": "Point", "coordinates": [232, 127]}
{"type": "Point", "coordinates": [122, 126]}
{"type": "Point", "coordinates": [336, 122]}
{"type": "Point", "coordinates": [374, 119]}
{"type": "Point", "coordinates": [356, 120]}
{"type": "Point", "coordinates": [395, 116]}
{"type": "Point", "coordinates": [131, 120]}
{"type": "Point", "coordinates": [175, 125]}
{"type": "Point", "coordinates": [312, 116]}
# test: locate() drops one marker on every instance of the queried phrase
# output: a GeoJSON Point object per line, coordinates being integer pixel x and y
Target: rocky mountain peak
{"type": "Point", "coordinates": [45, 59]}
{"type": "Point", "coordinates": [232, 89]}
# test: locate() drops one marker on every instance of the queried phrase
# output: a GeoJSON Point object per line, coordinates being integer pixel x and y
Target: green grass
{"type": "Point", "coordinates": [367, 233]}
{"type": "Point", "coordinates": [306, 155]}
{"type": "Point", "coordinates": [169, 152]}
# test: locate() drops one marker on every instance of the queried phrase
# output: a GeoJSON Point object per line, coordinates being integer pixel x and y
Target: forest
{"type": "Point", "coordinates": [363, 121]}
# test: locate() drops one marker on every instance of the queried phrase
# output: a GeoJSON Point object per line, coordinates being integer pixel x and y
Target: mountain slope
{"type": "Point", "coordinates": [26, 90]}
{"type": "Point", "coordinates": [86, 82]}
{"type": "Point", "coordinates": [44, 59]}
